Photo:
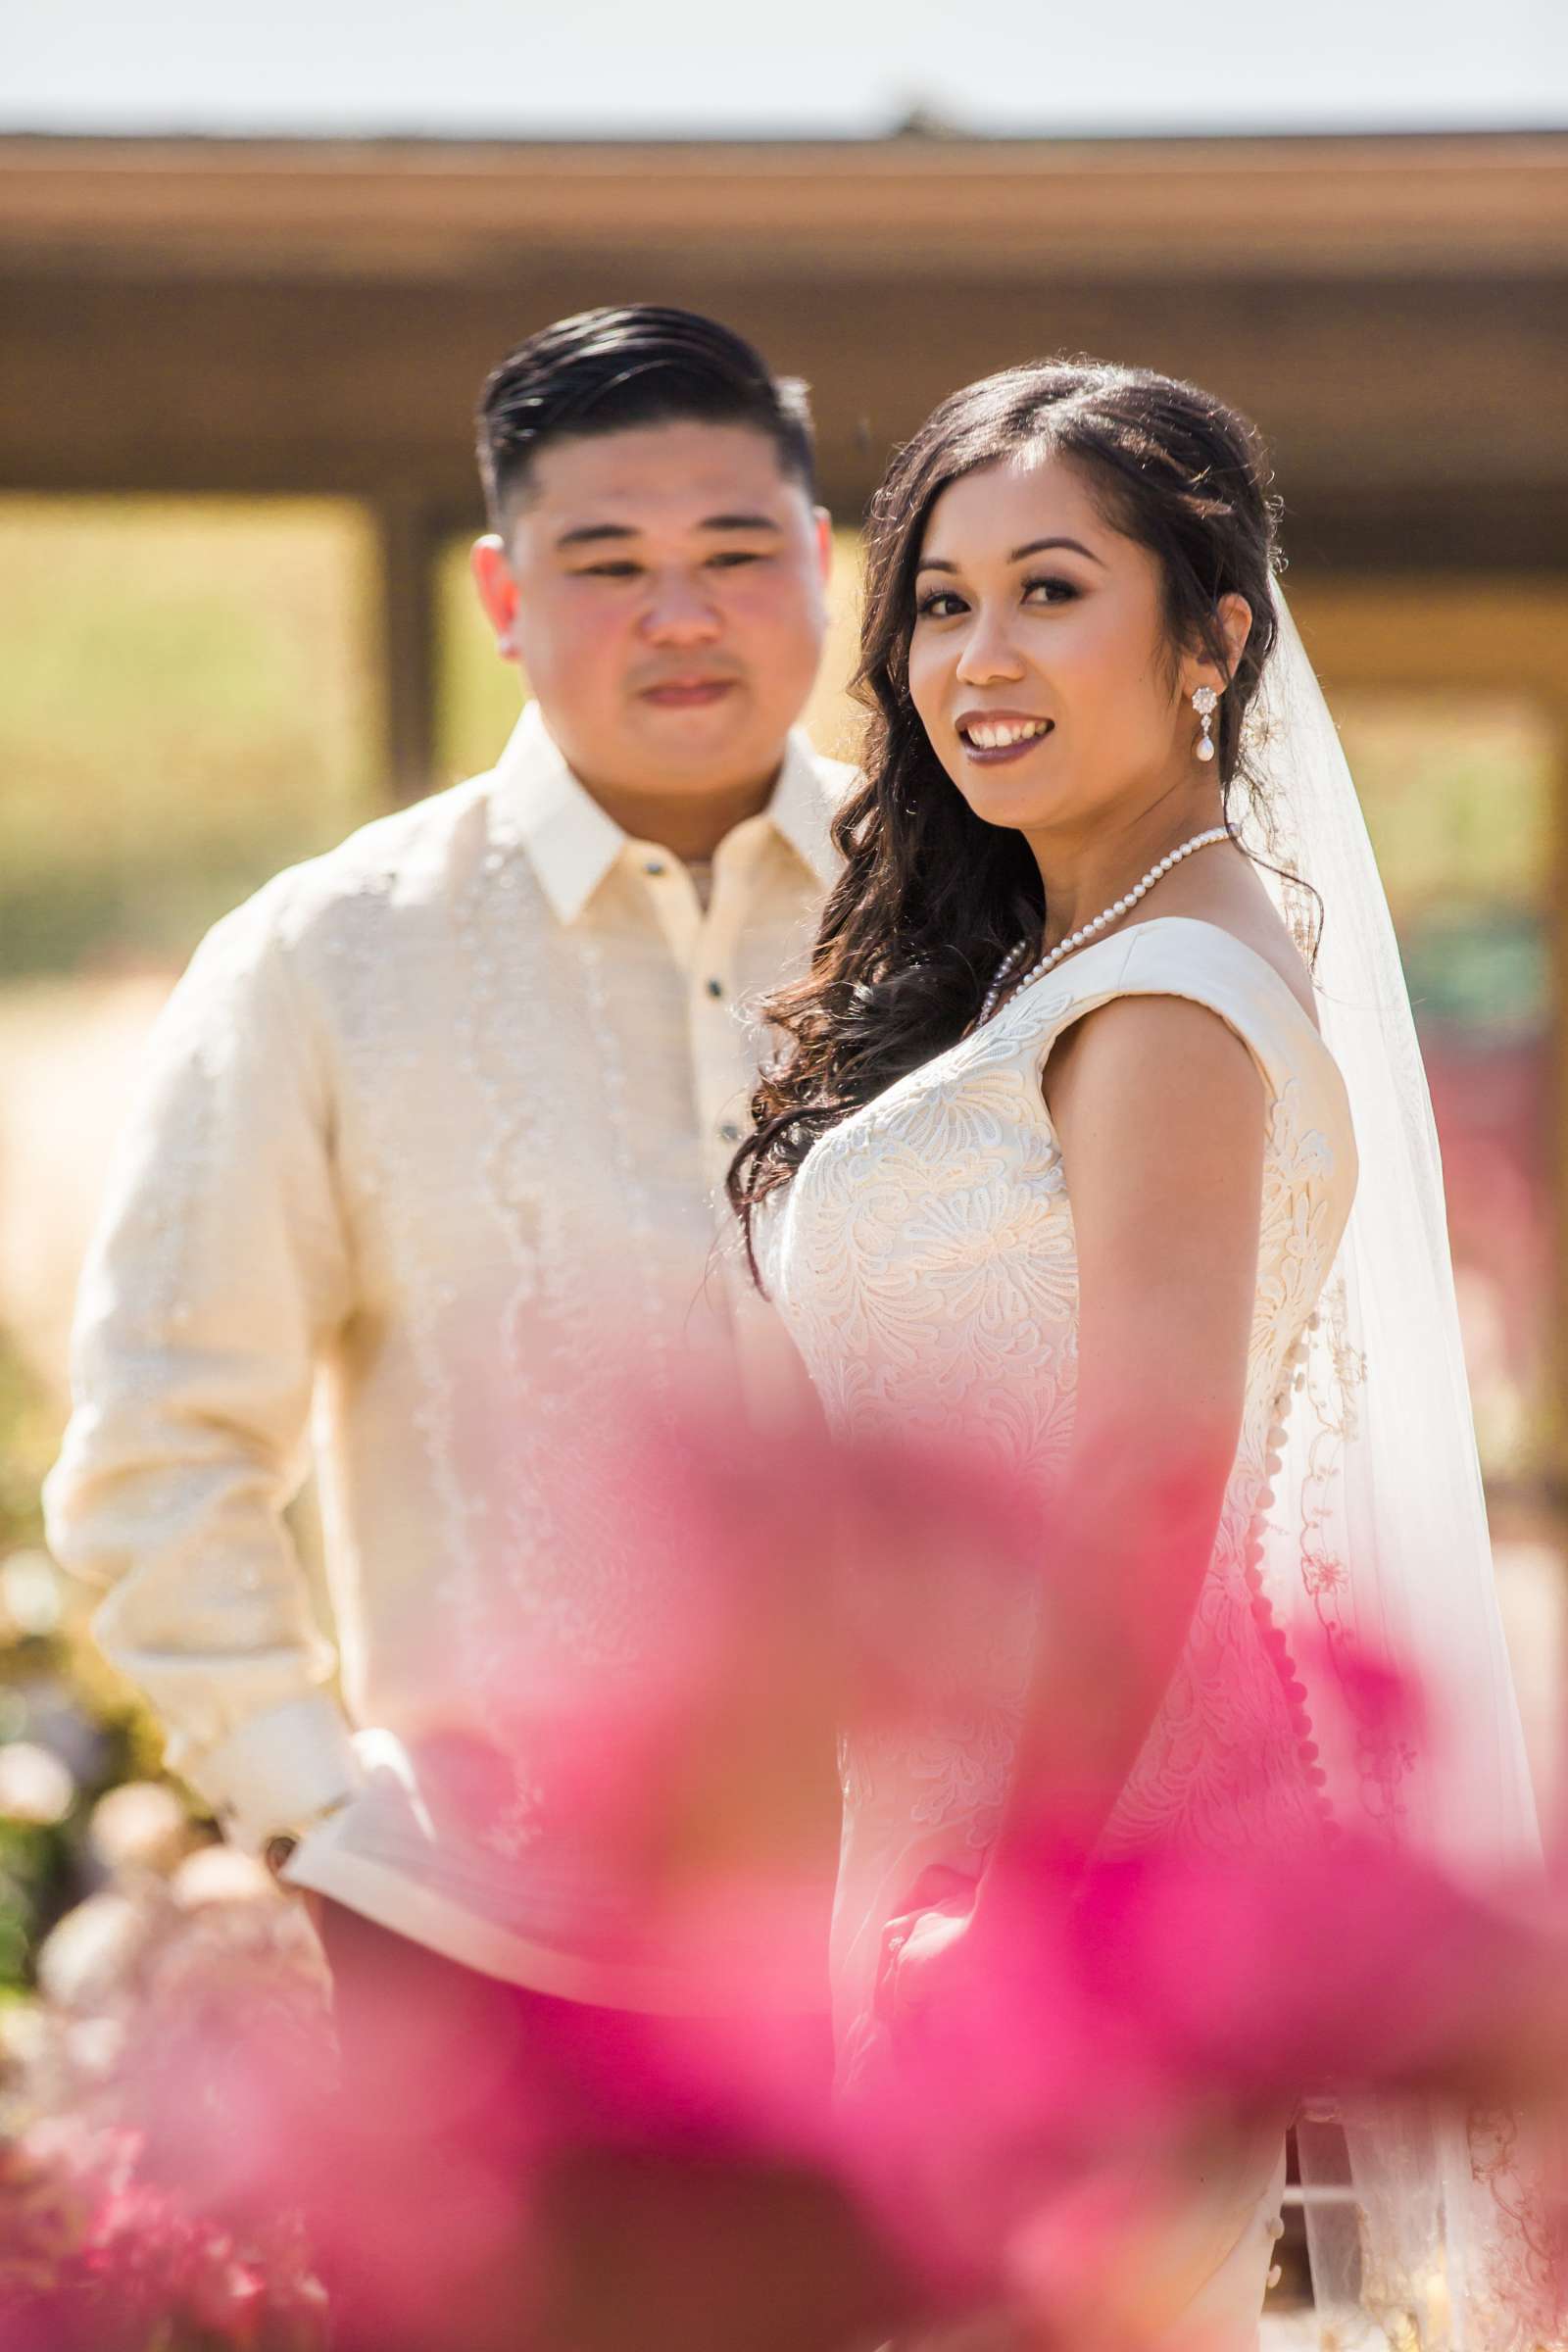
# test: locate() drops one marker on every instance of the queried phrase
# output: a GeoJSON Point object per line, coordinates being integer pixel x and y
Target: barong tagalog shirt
{"type": "Point", "coordinates": [428, 1154]}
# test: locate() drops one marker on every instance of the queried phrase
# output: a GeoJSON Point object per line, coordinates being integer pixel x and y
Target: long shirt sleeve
{"type": "Point", "coordinates": [217, 1274]}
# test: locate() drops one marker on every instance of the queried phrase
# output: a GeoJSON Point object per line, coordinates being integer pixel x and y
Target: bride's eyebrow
{"type": "Point", "coordinates": [1016, 555]}
{"type": "Point", "coordinates": [1038, 547]}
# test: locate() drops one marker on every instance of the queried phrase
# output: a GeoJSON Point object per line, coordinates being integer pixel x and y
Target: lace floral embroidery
{"type": "Point", "coordinates": [924, 1258]}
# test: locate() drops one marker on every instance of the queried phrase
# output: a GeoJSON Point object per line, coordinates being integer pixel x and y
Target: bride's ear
{"type": "Point", "coordinates": [1235, 616]}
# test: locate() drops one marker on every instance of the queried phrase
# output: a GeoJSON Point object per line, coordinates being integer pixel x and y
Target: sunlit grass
{"type": "Point", "coordinates": [189, 706]}
{"type": "Point", "coordinates": [1458, 794]}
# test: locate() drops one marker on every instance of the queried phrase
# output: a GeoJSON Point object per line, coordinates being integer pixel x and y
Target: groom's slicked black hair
{"type": "Point", "coordinates": [608, 370]}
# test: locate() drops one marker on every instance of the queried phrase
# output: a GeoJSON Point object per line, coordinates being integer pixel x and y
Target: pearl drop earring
{"type": "Point", "coordinates": [1205, 702]}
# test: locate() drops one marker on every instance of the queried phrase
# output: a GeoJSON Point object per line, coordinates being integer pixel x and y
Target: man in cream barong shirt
{"type": "Point", "coordinates": [417, 1116]}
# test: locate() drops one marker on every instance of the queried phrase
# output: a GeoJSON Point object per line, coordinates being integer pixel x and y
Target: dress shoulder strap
{"type": "Point", "coordinates": [1179, 955]}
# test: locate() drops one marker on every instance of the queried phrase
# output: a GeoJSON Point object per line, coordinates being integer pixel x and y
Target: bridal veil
{"type": "Point", "coordinates": [1377, 1547]}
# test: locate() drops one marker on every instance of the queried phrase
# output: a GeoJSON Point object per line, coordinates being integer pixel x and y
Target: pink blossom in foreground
{"type": "Point", "coordinates": [95, 2259]}
{"type": "Point", "coordinates": [1100, 2030]}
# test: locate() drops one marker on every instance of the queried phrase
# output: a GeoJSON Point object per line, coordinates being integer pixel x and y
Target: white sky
{"type": "Point", "coordinates": [706, 67]}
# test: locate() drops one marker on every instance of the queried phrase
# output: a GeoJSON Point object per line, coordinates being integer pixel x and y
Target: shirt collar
{"type": "Point", "coordinates": [569, 837]}
{"type": "Point", "coordinates": [573, 844]}
{"type": "Point", "coordinates": [805, 802]}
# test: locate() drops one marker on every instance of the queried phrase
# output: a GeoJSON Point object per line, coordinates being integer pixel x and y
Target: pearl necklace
{"type": "Point", "coordinates": [1079, 938]}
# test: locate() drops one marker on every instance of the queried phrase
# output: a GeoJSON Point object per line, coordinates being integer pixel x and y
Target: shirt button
{"type": "Point", "coordinates": [655, 865]}
{"type": "Point", "coordinates": [715, 988]}
{"type": "Point", "coordinates": [729, 1132]}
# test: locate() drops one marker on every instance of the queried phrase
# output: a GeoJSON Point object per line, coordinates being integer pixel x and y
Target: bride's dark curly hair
{"type": "Point", "coordinates": [931, 897]}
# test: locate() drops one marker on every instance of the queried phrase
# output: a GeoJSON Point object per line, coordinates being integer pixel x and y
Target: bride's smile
{"type": "Point", "coordinates": [991, 736]}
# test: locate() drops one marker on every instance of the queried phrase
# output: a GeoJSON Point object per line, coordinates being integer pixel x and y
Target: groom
{"type": "Point", "coordinates": [428, 1149]}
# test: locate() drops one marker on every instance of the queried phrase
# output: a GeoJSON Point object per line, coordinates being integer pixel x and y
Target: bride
{"type": "Point", "coordinates": [1100, 1142]}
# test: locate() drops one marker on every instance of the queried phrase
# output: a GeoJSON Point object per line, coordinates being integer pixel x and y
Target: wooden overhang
{"type": "Point", "coordinates": [316, 315]}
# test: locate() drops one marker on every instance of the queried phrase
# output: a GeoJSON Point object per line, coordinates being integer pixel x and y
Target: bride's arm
{"type": "Point", "coordinates": [1160, 1112]}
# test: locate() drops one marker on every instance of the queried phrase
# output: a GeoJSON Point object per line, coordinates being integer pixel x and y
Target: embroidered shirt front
{"type": "Point", "coordinates": [431, 1134]}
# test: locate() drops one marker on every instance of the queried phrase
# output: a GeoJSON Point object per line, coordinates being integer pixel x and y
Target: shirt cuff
{"type": "Point", "coordinates": [283, 1770]}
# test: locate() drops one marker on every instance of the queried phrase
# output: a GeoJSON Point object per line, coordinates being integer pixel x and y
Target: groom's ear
{"type": "Point", "coordinates": [824, 542]}
{"type": "Point", "coordinates": [497, 589]}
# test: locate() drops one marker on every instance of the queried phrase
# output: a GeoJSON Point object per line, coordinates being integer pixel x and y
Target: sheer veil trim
{"type": "Point", "coordinates": [1378, 1542]}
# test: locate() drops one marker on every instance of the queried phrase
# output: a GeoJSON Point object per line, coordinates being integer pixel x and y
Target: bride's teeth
{"type": "Point", "coordinates": [986, 737]}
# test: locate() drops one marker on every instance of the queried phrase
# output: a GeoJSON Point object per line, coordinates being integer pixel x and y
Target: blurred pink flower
{"type": "Point", "coordinates": [1091, 2034]}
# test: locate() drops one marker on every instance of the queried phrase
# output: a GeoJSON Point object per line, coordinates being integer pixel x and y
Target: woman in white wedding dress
{"type": "Point", "coordinates": [1057, 1163]}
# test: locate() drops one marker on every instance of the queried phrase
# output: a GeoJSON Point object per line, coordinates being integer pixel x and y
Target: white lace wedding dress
{"type": "Point", "coordinates": [923, 1260]}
